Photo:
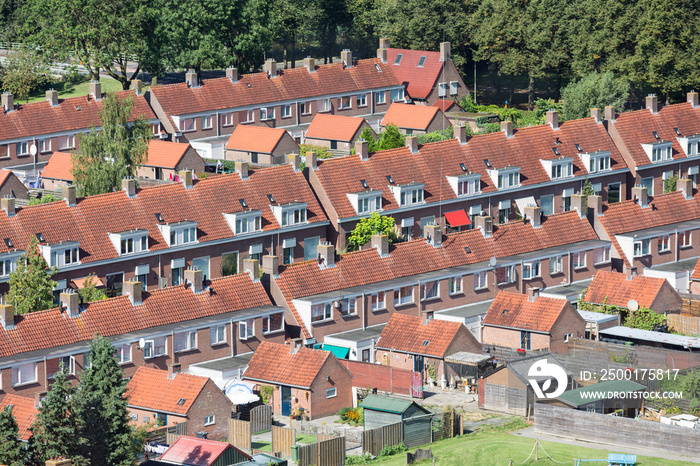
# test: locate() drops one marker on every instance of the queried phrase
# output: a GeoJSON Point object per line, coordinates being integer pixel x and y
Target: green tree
{"type": "Point", "coordinates": [23, 72]}
{"type": "Point", "coordinates": [368, 135]}
{"type": "Point", "coordinates": [670, 184]}
{"type": "Point", "coordinates": [56, 429]}
{"type": "Point", "coordinates": [595, 90]}
{"type": "Point", "coordinates": [368, 226]}
{"type": "Point", "coordinates": [390, 138]}
{"type": "Point", "coordinates": [90, 292]}
{"type": "Point", "coordinates": [12, 453]}
{"type": "Point", "coordinates": [644, 319]}
{"type": "Point", "coordinates": [112, 152]}
{"type": "Point", "coordinates": [45, 199]}
{"type": "Point", "coordinates": [102, 410]}
{"type": "Point", "coordinates": [31, 287]}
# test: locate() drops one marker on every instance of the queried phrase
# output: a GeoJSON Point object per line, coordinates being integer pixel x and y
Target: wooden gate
{"type": "Point", "coordinates": [239, 434]}
{"type": "Point", "coordinates": [260, 419]}
{"type": "Point", "coordinates": [172, 433]}
{"type": "Point", "coordinates": [282, 440]}
{"type": "Point", "coordinates": [417, 385]}
{"type": "Point", "coordinates": [329, 452]}
{"type": "Point", "coordinates": [374, 440]}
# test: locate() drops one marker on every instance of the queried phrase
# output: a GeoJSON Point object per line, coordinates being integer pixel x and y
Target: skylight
{"type": "Point", "coordinates": [421, 62]}
{"type": "Point", "coordinates": [397, 61]}
{"type": "Point", "coordinates": [244, 204]}
{"type": "Point", "coordinates": [8, 243]}
{"type": "Point", "coordinates": [181, 401]}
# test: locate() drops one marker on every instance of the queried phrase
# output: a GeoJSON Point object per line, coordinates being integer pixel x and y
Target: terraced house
{"type": "Point", "coordinates": [205, 113]}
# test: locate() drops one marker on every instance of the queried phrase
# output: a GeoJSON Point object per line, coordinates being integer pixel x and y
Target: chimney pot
{"type": "Point", "coordinates": [485, 224]}
{"type": "Point", "coordinates": [383, 55]}
{"type": "Point", "coordinates": [52, 97]}
{"type": "Point", "coordinates": [174, 369]}
{"type": "Point", "coordinates": [252, 267]}
{"type": "Point", "coordinates": [191, 79]}
{"type": "Point", "coordinates": [8, 205]}
{"type": "Point", "coordinates": [533, 214]}
{"type": "Point", "coordinates": [326, 252]}
{"type": "Point", "coordinates": [186, 178]}
{"type": "Point", "coordinates": [507, 127]}
{"type": "Point", "coordinates": [578, 203]}
{"type": "Point", "coordinates": [242, 170]}
{"type": "Point", "coordinates": [652, 103]}
{"type": "Point", "coordinates": [69, 195]}
{"type": "Point", "coordinates": [232, 74]}
{"type": "Point", "coordinates": [596, 114]}
{"type": "Point", "coordinates": [133, 289]}
{"type": "Point", "coordinates": [8, 102]}
{"type": "Point", "coordinates": [532, 293]}
{"type": "Point", "coordinates": [270, 67]}
{"type": "Point", "coordinates": [346, 56]}
{"type": "Point", "coordinates": [686, 186]}
{"type": "Point", "coordinates": [137, 86]}
{"type": "Point", "coordinates": [310, 64]}
{"type": "Point", "coordinates": [609, 113]}
{"type": "Point", "coordinates": [693, 99]}
{"type": "Point", "coordinates": [295, 160]}
{"type": "Point", "coordinates": [362, 149]}
{"type": "Point", "coordinates": [433, 233]}
{"type": "Point", "coordinates": [596, 203]}
{"type": "Point", "coordinates": [381, 243]}
{"type": "Point", "coordinates": [129, 186]}
{"type": "Point", "coordinates": [7, 313]}
{"type": "Point", "coordinates": [70, 300]}
{"type": "Point", "coordinates": [95, 89]}
{"type": "Point", "coordinates": [412, 143]}
{"type": "Point", "coordinates": [384, 43]}
{"type": "Point", "coordinates": [552, 119]}
{"type": "Point", "coordinates": [196, 279]}
{"type": "Point", "coordinates": [445, 52]}
{"type": "Point", "coordinates": [312, 160]}
{"type": "Point", "coordinates": [461, 133]}
{"type": "Point", "coordinates": [640, 193]}
{"type": "Point", "coordinates": [271, 265]}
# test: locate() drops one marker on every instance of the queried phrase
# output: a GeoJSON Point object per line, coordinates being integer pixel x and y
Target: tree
{"type": "Point", "coordinates": [670, 184]}
{"type": "Point", "coordinates": [90, 292]}
{"type": "Point", "coordinates": [56, 429]}
{"type": "Point", "coordinates": [644, 319]}
{"type": "Point", "coordinates": [390, 138]}
{"type": "Point", "coordinates": [31, 287]}
{"type": "Point", "coordinates": [368, 135]}
{"type": "Point", "coordinates": [368, 226]}
{"type": "Point", "coordinates": [45, 199]}
{"type": "Point", "coordinates": [102, 409]}
{"type": "Point", "coordinates": [113, 152]}
{"type": "Point", "coordinates": [12, 452]}
{"type": "Point", "coordinates": [595, 90]}
{"type": "Point", "coordinates": [23, 72]}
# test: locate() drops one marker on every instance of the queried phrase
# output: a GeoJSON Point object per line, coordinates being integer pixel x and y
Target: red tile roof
{"type": "Point", "coordinates": [636, 128]}
{"type": "Point", "coordinates": [196, 451]}
{"type": "Point", "coordinates": [275, 363]}
{"type": "Point", "coordinates": [696, 271]}
{"type": "Point", "coordinates": [447, 105]}
{"type": "Point", "coordinates": [165, 154]}
{"type": "Point", "coordinates": [419, 81]}
{"type": "Point", "coordinates": [117, 316]}
{"type": "Point", "coordinates": [59, 167]}
{"type": "Point", "coordinates": [204, 204]}
{"type": "Point", "coordinates": [409, 335]}
{"type": "Point", "coordinates": [73, 114]}
{"type": "Point", "coordinates": [23, 411]}
{"type": "Point", "coordinates": [152, 389]}
{"type": "Point", "coordinates": [415, 257]}
{"type": "Point", "coordinates": [411, 116]}
{"type": "Point", "coordinates": [615, 289]}
{"type": "Point", "coordinates": [525, 149]}
{"type": "Point", "coordinates": [250, 138]}
{"type": "Point", "coordinates": [334, 127]}
{"type": "Point", "coordinates": [516, 311]}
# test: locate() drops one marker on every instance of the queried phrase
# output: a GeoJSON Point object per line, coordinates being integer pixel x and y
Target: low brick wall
{"type": "Point", "coordinates": [383, 378]}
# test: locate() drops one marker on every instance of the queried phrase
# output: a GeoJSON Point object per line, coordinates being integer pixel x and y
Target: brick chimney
{"type": "Point", "coordinates": [597, 114]}
{"type": "Point", "coordinates": [630, 272]}
{"type": "Point", "coordinates": [346, 57]}
{"type": "Point", "coordinates": [133, 289]}
{"type": "Point", "coordinates": [383, 55]}
{"type": "Point", "coordinates": [445, 52]}
{"type": "Point", "coordinates": [312, 160]}
{"type": "Point", "coordinates": [433, 235]}
{"type": "Point", "coordinates": [8, 102]}
{"type": "Point", "coordinates": [129, 186]}
{"type": "Point", "coordinates": [532, 293]}
{"type": "Point", "coordinates": [578, 203]}
{"type": "Point", "coordinates": [270, 67]}
{"type": "Point", "coordinates": [295, 160]}
{"type": "Point", "coordinates": [271, 265]}
{"type": "Point", "coordinates": [186, 178]}
{"type": "Point", "coordinates": [232, 74]}
{"type": "Point", "coordinates": [684, 185]}
{"type": "Point", "coordinates": [191, 79]}
{"type": "Point", "coordinates": [52, 97]}
{"type": "Point", "coordinates": [507, 127]}
{"type": "Point", "coordinates": [95, 89]}
{"type": "Point", "coordinates": [595, 203]}
{"type": "Point", "coordinates": [174, 369]}
{"type": "Point", "coordinates": [137, 86]}
{"type": "Point", "coordinates": [640, 193]}
{"type": "Point", "coordinates": [485, 224]}
{"type": "Point", "coordinates": [652, 103]}
{"type": "Point", "coordinates": [362, 149]}
{"type": "Point", "coordinates": [609, 113]}
{"type": "Point", "coordinates": [310, 64]}
{"type": "Point", "coordinates": [461, 133]}
{"type": "Point", "coordinates": [196, 279]}
{"type": "Point", "coordinates": [69, 195]}
{"type": "Point", "coordinates": [38, 396]}
{"type": "Point", "coordinates": [252, 267]}
{"type": "Point", "coordinates": [8, 205]}
{"type": "Point", "coordinates": [326, 252]}
{"type": "Point", "coordinates": [552, 119]}
{"type": "Point", "coordinates": [381, 243]}
{"type": "Point", "coordinates": [412, 143]}
{"type": "Point", "coordinates": [532, 212]}
{"type": "Point", "coordinates": [384, 43]}
{"type": "Point", "coordinates": [70, 300]}
{"type": "Point", "coordinates": [7, 314]}
{"type": "Point", "coordinates": [693, 99]}
{"type": "Point", "coordinates": [242, 169]}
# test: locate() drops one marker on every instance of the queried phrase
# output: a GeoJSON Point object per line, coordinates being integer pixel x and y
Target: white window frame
{"type": "Point", "coordinates": [562, 170]}
{"type": "Point", "coordinates": [555, 265]}
{"type": "Point", "coordinates": [305, 108]}
{"type": "Point", "coordinates": [640, 246]}
{"type": "Point", "coordinates": [396, 95]}
{"type": "Point", "coordinates": [400, 300]}
{"type": "Point", "coordinates": [151, 348]}
{"type": "Point", "coordinates": [190, 341]}
{"type": "Point", "coordinates": [578, 259]}
{"type": "Point", "coordinates": [506, 178]}
{"type": "Point", "coordinates": [411, 194]}
{"type": "Point", "coordinates": [120, 354]}
{"type": "Point", "coordinates": [377, 301]}
{"type": "Point", "coordinates": [533, 270]}
{"type": "Point", "coordinates": [366, 202]}
{"type": "Point", "coordinates": [207, 122]}
{"type": "Point", "coordinates": [567, 336]}
{"type": "Point", "coordinates": [442, 89]}
{"type": "Point", "coordinates": [227, 118]}
{"type": "Point", "coordinates": [8, 264]}
{"type": "Point", "coordinates": [210, 420]}
{"type": "Point", "coordinates": [43, 145]}
{"type": "Point", "coordinates": [663, 243]}
{"type": "Point", "coordinates": [481, 280]}
{"type": "Point", "coordinates": [55, 255]}
{"type": "Point", "coordinates": [217, 335]}
{"type": "Point", "coordinates": [455, 285]}
{"type": "Point", "coordinates": [348, 306]}
{"type": "Point", "coordinates": [249, 222]}
{"type": "Point", "coordinates": [345, 102]}
{"type": "Point", "coordinates": [362, 100]}
{"type": "Point", "coordinates": [326, 312]}
{"type": "Point", "coordinates": [185, 128]}
{"type": "Point", "coordinates": [434, 290]}
{"type": "Point", "coordinates": [290, 214]}
{"type": "Point", "coordinates": [23, 368]}
{"type": "Point", "coordinates": [454, 87]}
{"type": "Point", "coordinates": [685, 239]}
{"type": "Point", "coordinates": [602, 253]}
{"type": "Point", "coordinates": [138, 239]}
{"type": "Point", "coordinates": [325, 105]}
{"type": "Point", "coordinates": [510, 273]}
{"type": "Point", "coordinates": [380, 98]}
{"type": "Point", "coordinates": [267, 113]}
{"type": "Point", "coordinates": [331, 392]}
{"type": "Point", "coordinates": [286, 110]}
{"type": "Point", "coordinates": [246, 329]}
{"type": "Point", "coordinates": [266, 323]}
{"type": "Point", "coordinates": [22, 148]}
{"type": "Point", "coordinates": [178, 234]}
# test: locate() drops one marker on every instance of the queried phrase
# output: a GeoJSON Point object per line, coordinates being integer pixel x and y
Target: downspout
{"type": "Point", "coordinates": [571, 269]}
{"type": "Point", "coordinates": [678, 243]}
{"type": "Point", "coordinates": [364, 310]}
{"type": "Point", "coordinates": [232, 336]}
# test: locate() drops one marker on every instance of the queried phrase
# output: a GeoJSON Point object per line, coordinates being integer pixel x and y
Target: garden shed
{"type": "Point", "coordinates": [416, 421]}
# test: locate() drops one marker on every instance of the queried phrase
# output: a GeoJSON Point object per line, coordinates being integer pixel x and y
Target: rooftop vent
{"type": "Point", "coordinates": [557, 141]}
{"type": "Point", "coordinates": [421, 62]}
{"type": "Point", "coordinates": [467, 249]}
{"type": "Point", "coordinates": [505, 312]}
{"type": "Point", "coordinates": [181, 401]}
{"type": "Point", "coordinates": [426, 342]}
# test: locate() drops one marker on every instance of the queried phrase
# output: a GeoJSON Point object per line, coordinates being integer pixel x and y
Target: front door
{"type": "Point", "coordinates": [286, 400]}
{"type": "Point", "coordinates": [418, 363]}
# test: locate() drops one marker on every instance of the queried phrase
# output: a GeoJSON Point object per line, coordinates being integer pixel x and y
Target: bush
{"type": "Point", "coordinates": [46, 198]}
{"type": "Point", "coordinates": [321, 152]}
{"type": "Point", "coordinates": [392, 450]}
{"type": "Point", "coordinates": [266, 394]}
{"type": "Point", "coordinates": [362, 459]}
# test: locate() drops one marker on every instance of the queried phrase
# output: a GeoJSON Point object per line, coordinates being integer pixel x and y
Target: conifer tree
{"type": "Point", "coordinates": [31, 287]}
{"type": "Point", "coordinates": [12, 453]}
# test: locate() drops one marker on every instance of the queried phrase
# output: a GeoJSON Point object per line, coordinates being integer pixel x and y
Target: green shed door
{"type": "Point", "coordinates": [374, 419]}
{"type": "Point", "coordinates": [417, 432]}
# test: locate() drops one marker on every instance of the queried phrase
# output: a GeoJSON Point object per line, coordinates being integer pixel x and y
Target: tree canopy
{"type": "Point", "coordinates": [31, 287]}
{"type": "Point", "coordinates": [12, 452]}
{"type": "Point", "coordinates": [368, 226]}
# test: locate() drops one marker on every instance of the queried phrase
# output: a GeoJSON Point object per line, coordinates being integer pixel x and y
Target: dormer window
{"type": "Point", "coordinates": [366, 202]}
{"type": "Point", "coordinates": [130, 242]}
{"type": "Point", "coordinates": [690, 145]}
{"type": "Point", "coordinates": [290, 214]}
{"type": "Point", "coordinates": [465, 185]}
{"type": "Point", "coordinates": [562, 167]}
{"type": "Point", "coordinates": [242, 223]}
{"type": "Point", "coordinates": [63, 254]}
{"type": "Point", "coordinates": [8, 262]}
{"type": "Point", "coordinates": [179, 233]}
{"type": "Point", "coordinates": [506, 178]}
{"type": "Point", "coordinates": [408, 194]}
{"type": "Point", "coordinates": [658, 151]}
{"type": "Point", "coordinates": [597, 161]}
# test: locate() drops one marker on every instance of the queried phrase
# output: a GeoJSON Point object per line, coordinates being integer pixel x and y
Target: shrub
{"type": "Point", "coordinates": [362, 459]}
{"type": "Point", "coordinates": [392, 450]}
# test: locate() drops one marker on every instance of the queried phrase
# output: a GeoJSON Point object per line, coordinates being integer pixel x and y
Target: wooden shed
{"type": "Point", "coordinates": [386, 410]}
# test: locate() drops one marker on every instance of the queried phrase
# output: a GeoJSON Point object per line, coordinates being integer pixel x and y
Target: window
{"type": "Point", "coordinates": [206, 122]}
{"type": "Point", "coordinates": [24, 373]}
{"type": "Point", "coordinates": [596, 161]}
{"type": "Point", "coordinates": [217, 334]}
{"type": "Point", "coordinates": [362, 100]}
{"type": "Point", "coordinates": [429, 290]}
{"type": "Point", "coordinates": [641, 248]}
{"type": "Point", "coordinates": [664, 243]}
{"type": "Point", "coordinates": [209, 420]}
{"type": "Point", "coordinates": [455, 285]}
{"type": "Point", "coordinates": [227, 119]}
{"type": "Point", "coordinates": [7, 266]}
{"type": "Point", "coordinates": [311, 248]}
{"type": "Point", "coordinates": [503, 215]}
{"type": "Point", "coordinates": [509, 273]}
{"type": "Point", "coordinates": [547, 204]}
{"type": "Point", "coordinates": [410, 196]}
{"type": "Point", "coordinates": [442, 90]}
{"type": "Point", "coordinates": [344, 103]}
{"type": "Point", "coordinates": [146, 419]}
{"type": "Point", "coordinates": [245, 329]}
{"type": "Point", "coordinates": [480, 280]}
{"type": "Point", "coordinates": [305, 108]}
{"type": "Point", "coordinates": [524, 340]}
{"type": "Point", "coordinates": [380, 98]}
{"type": "Point", "coordinates": [421, 62]}
{"type": "Point", "coordinates": [601, 255]}
{"type": "Point", "coordinates": [378, 301]}
{"type": "Point", "coordinates": [286, 110]}
{"type": "Point", "coordinates": [566, 203]}
{"type": "Point", "coordinates": [248, 223]}
{"type": "Point", "coordinates": [273, 322]}
{"type": "Point", "coordinates": [613, 193]}
{"type": "Point", "coordinates": [567, 336]}
{"type": "Point", "coordinates": [324, 105]}
{"type": "Point", "coordinates": [684, 239]}
{"type": "Point", "coordinates": [466, 185]}
{"type": "Point", "coordinates": [22, 148]}
{"type": "Point", "coordinates": [132, 244]}
{"type": "Point", "coordinates": [454, 86]}
{"type": "Point", "coordinates": [267, 113]}
{"type": "Point", "coordinates": [64, 257]}
{"type": "Point", "coordinates": [660, 153]}
{"type": "Point", "coordinates": [176, 275]}
{"type": "Point", "coordinates": [365, 355]}
{"type": "Point", "coordinates": [531, 270]}
{"type": "Point", "coordinates": [396, 94]}
{"type": "Point", "coordinates": [321, 312]}
{"type": "Point", "coordinates": [247, 116]}
{"type": "Point", "coordinates": [579, 259]}
{"type": "Point", "coordinates": [68, 364]}
{"type": "Point", "coordinates": [123, 354]}
{"type": "Point", "coordinates": [66, 142]}
{"type": "Point", "coordinates": [44, 145]}
{"type": "Point", "coordinates": [185, 341]}
{"type": "Point", "coordinates": [188, 124]}
{"type": "Point", "coordinates": [403, 295]}
{"type": "Point", "coordinates": [397, 60]}
{"type": "Point", "coordinates": [562, 170]}
{"type": "Point", "coordinates": [555, 265]}
{"type": "Point", "coordinates": [649, 184]}
{"type": "Point", "coordinates": [667, 176]}
{"type": "Point", "coordinates": [179, 233]}
{"type": "Point", "coordinates": [331, 392]}
{"type": "Point", "coordinates": [115, 282]}
{"type": "Point", "coordinates": [347, 306]}
{"type": "Point", "coordinates": [154, 348]}
{"type": "Point", "coordinates": [371, 203]}
{"type": "Point", "coordinates": [508, 179]}
{"type": "Point", "coordinates": [294, 216]}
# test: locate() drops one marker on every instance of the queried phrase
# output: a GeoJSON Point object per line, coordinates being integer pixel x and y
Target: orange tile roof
{"type": "Point", "coordinates": [334, 127]}
{"type": "Point", "coordinates": [23, 411]}
{"type": "Point", "coordinates": [59, 167]}
{"type": "Point", "coordinates": [696, 271]}
{"type": "Point", "coordinates": [447, 105]}
{"type": "Point", "coordinates": [80, 282]}
{"type": "Point", "coordinates": [117, 316]}
{"type": "Point", "coordinates": [75, 113]}
{"type": "Point", "coordinates": [525, 149]}
{"type": "Point", "coordinates": [615, 289]}
{"type": "Point", "coordinates": [251, 138]}
{"type": "Point", "coordinates": [415, 257]}
{"type": "Point", "coordinates": [196, 451]}
{"type": "Point", "coordinates": [636, 128]}
{"type": "Point", "coordinates": [152, 389]}
{"type": "Point", "coordinates": [409, 335]}
{"type": "Point", "coordinates": [410, 116]}
{"type": "Point", "coordinates": [5, 175]}
{"type": "Point", "coordinates": [275, 363]}
{"type": "Point", "coordinates": [204, 204]}
{"type": "Point", "coordinates": [165, 154]}
{"type": "Point", "coordinates": [516, 311]}
{"type": "Point", "coordinates": [419, 81]}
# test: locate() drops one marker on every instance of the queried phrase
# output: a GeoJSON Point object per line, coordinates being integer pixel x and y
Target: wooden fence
{"type": "Point", "coordinates": [330, 452]}
{"type": "Point", "coordinates": [260, 419]}
{"type": "Point", "coordinates": [374, 440]}
{"type": "Point", "coordinates": [687, 325]}
{"type": "Point", "coordinates": [690, 306]}
{"type": "Point", "coordinates": [168, 435]}
{"type": "Point", "coordinates": [447, 424]}
{"type": "Point", "coordinates": [239, 434]}
{"type": "Point", "coordinates": [282, 440]}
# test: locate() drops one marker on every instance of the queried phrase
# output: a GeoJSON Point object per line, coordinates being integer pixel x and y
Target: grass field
{"type": "Point", "coordinates": [75, 90]}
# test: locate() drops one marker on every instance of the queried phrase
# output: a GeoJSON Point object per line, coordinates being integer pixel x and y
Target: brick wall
{"type": "Point", "coordinates": [511, 338]}
{"type": "Point", "coordinates": [387, 379]}
{"type": "Point", "coordinates": [211, 401]}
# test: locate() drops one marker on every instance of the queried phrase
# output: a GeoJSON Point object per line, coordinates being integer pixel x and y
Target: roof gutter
{"type": "Point", "coordinates": [276, 383]}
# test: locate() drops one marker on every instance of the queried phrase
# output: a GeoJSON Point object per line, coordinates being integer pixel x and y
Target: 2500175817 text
{"type": "Point", "coordinates": [630, 374]}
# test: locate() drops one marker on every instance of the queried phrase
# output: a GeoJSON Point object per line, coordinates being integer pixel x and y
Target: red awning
{"type": "Point", "coordinates": [457, 218]}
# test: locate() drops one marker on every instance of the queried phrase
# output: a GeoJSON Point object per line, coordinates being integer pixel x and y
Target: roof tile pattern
{"type": "Point", "coordinates": [165, 154]}
{"type": "Point", "coordinates": [696, 271]}
{"type": "Point", "coordinates": [275, 362]}
{"type": "Point", "coordinates": [410, 116]}
{"type": "Point", "coordinates": [515, 310]}
{"type": "Point", "coordinates": [408, 334]}
{"type": "Point", "coordinates": [59, 167]}
{"type": "Point", "coordinates": [419, 81]}
{"type": "Point", "coordinates": [255, 138]}
{"type": "Point", "coordinates": [615, 289]}
{"type": "Point", "coordinates": [152, 389]}
{"type": "Point", "coordinates": [334, 127]}
{"type": "Point", "coordinates": [23, 411]}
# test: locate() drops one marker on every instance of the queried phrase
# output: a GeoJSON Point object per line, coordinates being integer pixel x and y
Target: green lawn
{"type": "Point", "coordinates": [75, 90]}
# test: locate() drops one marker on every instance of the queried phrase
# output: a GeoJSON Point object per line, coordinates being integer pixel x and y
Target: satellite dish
{"type": "Point", "coordinates": [142, 343]}
{"type": "Point", "coordinates": [632, 305]}
{"type": "Point", "coordinates": [33, 149]}
{"type": "Point", "coordinates": [493, 261]}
